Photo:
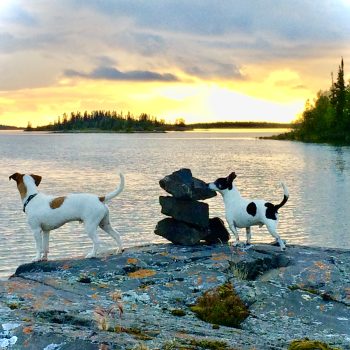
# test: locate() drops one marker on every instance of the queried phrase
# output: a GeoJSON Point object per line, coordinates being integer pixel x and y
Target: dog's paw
{"type": "Point", "coordinates": [90, 255]}
{"type": "Point", "coordinates": [277, 243]}
{"type": "Point", "coordinates": [37, 259]}
{"type": "Point", "coordinates": [119, 250]}
{"type": "Point", "coordinates": [247, 246]}
{"type": "Point", "coordinates": [238, 244]}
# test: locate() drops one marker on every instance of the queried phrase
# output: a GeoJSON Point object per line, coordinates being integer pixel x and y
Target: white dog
{"type": "Point", "coordinates": [46, 213]}
{"type": "Point", "coordinates": [241, 212]}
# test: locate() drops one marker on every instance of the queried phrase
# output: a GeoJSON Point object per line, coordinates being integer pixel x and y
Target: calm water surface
{"type": "Point", "coordinates": [318, 177]}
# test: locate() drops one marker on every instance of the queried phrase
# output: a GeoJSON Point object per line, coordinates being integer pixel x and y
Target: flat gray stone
{"type": "Point", "coordinates": [188, 211]}
{"type": "Point", "coordinates": [179, 232]}
{"type": "Point", "coordinates": [181, 184]}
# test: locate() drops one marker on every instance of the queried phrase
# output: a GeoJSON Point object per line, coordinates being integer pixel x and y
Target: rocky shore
{"type": "Point", "coordinates": [141, 299]}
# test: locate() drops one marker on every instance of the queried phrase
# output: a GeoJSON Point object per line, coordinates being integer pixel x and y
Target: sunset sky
{"type": "Point", "coordinates": [199, 60]}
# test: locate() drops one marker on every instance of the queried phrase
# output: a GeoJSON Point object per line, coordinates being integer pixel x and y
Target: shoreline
{"type": "Point", "coordinates": [285, 137]}
{"type": "Point", "coordinates": [290, 295]}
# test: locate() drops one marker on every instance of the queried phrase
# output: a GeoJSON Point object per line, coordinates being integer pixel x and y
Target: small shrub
{"type": "Point", "coordinates": [13, 305]}
{"type": "Point", "coordinates": [306, 344]}
{"type": "Point", "coordinates": [178, 312]}
{"type": "Point", "coordinates": [221, 306]}
{"type": "Point", "coordinates": [209, 344]}
{"type": "Point", "coordinates": [135, 332]}
{"type": "Point", "coordinates": [84, 279]}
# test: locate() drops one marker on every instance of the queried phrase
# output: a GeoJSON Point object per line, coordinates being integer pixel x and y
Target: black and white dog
{"type": "Point", "coordinates": [241, 212]}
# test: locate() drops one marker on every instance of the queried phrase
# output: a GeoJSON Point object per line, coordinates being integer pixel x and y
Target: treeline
{"type": "Point", "coordinates": [118, 122]}
{"type": "Point", "coordinates": [327, 119]}
{"type": "Point", "coordinates": [228, 125]}
{"type": "Point", "coordinates": [9, 127]}
{"type": "Point", "coordinates": [103, 120]}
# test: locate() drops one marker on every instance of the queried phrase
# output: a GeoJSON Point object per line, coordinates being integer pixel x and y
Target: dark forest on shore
{"type": "Point", "coordinates": [327, 119]}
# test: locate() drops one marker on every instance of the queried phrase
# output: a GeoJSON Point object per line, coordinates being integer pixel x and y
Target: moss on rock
{"type": "Point", "coordinates": [306, 344]}
{"type": "Point", "coordinates": [221, 306]}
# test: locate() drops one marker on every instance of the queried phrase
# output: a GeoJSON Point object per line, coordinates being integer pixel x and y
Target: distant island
{"type": "Point", "coordinates": [327, 119]}
{"type": "Point", "coordinates": [9, 127]}
{"type": "Point", "coordinates": [103, 121]}
{"type": "Point", "coordinates": [107, 121]}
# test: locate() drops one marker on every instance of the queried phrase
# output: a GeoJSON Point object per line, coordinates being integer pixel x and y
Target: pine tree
{"type": "Point", "coordinates": [338, 99]}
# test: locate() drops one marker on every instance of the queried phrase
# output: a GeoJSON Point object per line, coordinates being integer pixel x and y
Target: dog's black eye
{"type": "Point", "coordinates": [221, 184]}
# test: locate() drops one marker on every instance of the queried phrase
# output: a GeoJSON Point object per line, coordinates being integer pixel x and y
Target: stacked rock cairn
{"type": "Point", "coordinates": [188, 220]}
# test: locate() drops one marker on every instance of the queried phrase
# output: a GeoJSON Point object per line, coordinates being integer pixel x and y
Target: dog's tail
{"type": "Point", "coordinates": [285, 197]}
{"type": "Point", "coordinates": [115, 193]}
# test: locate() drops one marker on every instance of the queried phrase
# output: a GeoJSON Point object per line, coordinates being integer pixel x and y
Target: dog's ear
{"type": "Point", "coordinates": [37, 179]}
{"type": "Point", "coordinates": [230, 179]}
{"type": "Point", "coordinates": [15, 176]}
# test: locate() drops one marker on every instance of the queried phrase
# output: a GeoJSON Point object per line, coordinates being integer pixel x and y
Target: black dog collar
{"type": "Point", "coordinates": [28, 200]}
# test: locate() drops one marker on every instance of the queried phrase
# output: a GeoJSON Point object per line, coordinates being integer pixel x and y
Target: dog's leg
{"type": "Point", "coordinates": [249, 234]}
{"type": "Point", "coordinates": [273, 231]}
{"type": "Point", "coordinates": [91, 230]}
{"type": "Point", "coordinates": [45, 237]}
{"type": "Point", "coordinates": [106, 226]}
{"type": "Point", "coordinates": [39, 244]}
{"type": "Point", "coordinates": [233, 229]}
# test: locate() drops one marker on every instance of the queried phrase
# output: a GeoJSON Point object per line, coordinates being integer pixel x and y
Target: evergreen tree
{"type": "Point", "coordinates": [339, 98]}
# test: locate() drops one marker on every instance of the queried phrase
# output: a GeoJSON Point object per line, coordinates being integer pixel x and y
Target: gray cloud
{"type": "Point", "coordinates": [212, 69]}
{"type": "Point", "coordinates": [110, 73]}
{"type": "Point", "coordinates": [290, 20]}
{"type": "Point", "coordinates": [10, 43]}
{"type": "Point", "coordinates": [202, 38]}
{"type": "Point", "coordinates": [145, 43]}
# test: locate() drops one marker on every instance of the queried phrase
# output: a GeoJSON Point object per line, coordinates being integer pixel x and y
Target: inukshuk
{"type": "Point", "coordinates": [188, 220]}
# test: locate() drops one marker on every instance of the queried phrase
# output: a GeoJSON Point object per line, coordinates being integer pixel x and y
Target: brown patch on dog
{"type": "Point", "coordinates": [20, 184]}
{"type": "Point", "coordinates": [37, 179]}
{"type": "Point", "coordinates": [22, 188]}
{"type": "Point", "coordinates": [102, 199]}
{"type": "Point", "coordinates": [57, 202]}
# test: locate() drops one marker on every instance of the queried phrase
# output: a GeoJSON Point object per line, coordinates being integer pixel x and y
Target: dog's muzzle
{"type": "Point", "coordinates": [212, 187]}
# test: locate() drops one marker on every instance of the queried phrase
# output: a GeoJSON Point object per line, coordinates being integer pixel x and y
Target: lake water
{"type": "Point", "coordinates": [318, 178]}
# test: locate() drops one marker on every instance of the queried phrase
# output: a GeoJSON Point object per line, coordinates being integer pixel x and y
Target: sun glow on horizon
{"type": "Point", "coordinates": [195, 102]}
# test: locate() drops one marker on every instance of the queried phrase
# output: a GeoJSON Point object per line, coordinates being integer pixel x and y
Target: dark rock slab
{"type": "Point", "coordinates": [251, 264]}
{"type": "Point", "coordinates": [181, 184]}
{"type": "Point", "coordinates": [217, 232]}
{"type": "Point", "coordinates": [179, 232]}
{"type": "Point", "coordinates": [191, 212]}
{"type": "Point", "coordinates": [48, 266]}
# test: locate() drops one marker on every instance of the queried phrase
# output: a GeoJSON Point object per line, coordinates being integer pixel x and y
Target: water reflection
{"type": "Point", "coordinates": [339, 159]}
{"type": "Point", "coordinates": [317, 212]}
